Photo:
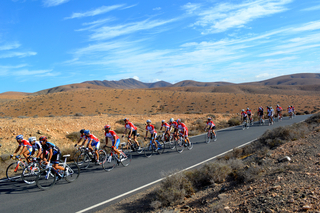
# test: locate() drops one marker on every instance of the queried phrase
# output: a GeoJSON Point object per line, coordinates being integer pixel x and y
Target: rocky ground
{"type": "Point", "coordinates": [291, 183]}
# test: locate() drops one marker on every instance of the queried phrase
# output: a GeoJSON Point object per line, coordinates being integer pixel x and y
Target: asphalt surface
{"type": "Point", "coordinates": [94, 185]}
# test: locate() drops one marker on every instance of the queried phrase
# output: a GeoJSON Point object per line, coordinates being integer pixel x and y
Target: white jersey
{"type": "Point", "coordinates": [270, 112]}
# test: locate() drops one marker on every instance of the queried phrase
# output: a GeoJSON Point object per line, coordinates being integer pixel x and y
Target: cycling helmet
{"type": "Point", "coordinates": [107, 127]}
{"type": "Point", "coordinates": [82, 131]}
{"type": "Point", "coordinates": [209, 118]}
{"type": "Point", "coordinates": [248, 108]}
{"type": "Point", "coordinates": [148, 121]}
{"type": "Point", "coordinates": [242, 110]}
{"type": "Point", "coordinates": [87, 132]}
{"type": "Point", "coordinates": [277, 105]}
{"type": "Point", "coordinates": [289, 106]}
{"type": "Point", "coordinates": [163, 121]}
{"type": "Point", "coordinates": [126, 119]}
{"type": "Point", "coordinates": [32, 139]}
{"type": "Point", "coordinates": [19, 137]}
{"type": "Point", "coordinates": [271, 107]}
{"type": "Point", "coordinates": [171, 119]}
{"type": "Point", "coordinates": [43, 138]}
{"type": "Point", "coordinates": [178, 120]}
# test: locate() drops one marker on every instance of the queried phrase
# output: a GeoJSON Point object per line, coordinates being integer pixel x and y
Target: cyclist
{"type": "Point", "coordinates": [54, 154]}
{"type": "Point", "coordinates": [183, 130]}
{"type": "Point", "coordinates": [166, 126]}
{"type": "Point", "coordinates": [244, 116]}
{"type": "Point", "coordinates": [36, 146]}
{"type": "Point", "coordinates": [279, 111]}
{"type": "Point", "coordinates": [249, 113]}
{"type": "Point", "coordinates": [289, 109]}
{"type": "Point", "coordinates": [93, 142]}
{"type": "Point", "coordinates": [132, 131]}
{"type": "Point", "coordinates": [260, 113]}
{"type": "Point", "coordinates": [26, 150]}
{"type": "Point", "coordinates": [115, 141]}
{"type": "Point", "coordinates": [150, 128]}
{"type": "Point", "coordinates": [174, 125]}
{"type": "Point", "coordinates": [82, 136]}
{"type": "Point", "coordinates": [292, 109]}
{"type": "Point", "coordinates": [211, 126]}
{"type": "Point", "coordinates": [270, 113]}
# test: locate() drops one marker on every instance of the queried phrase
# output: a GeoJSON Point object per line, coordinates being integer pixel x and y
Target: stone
{"type": "Point", "coordinates": [285, 159]}
{"type": "Point", "coordinates": [222, 196]}
{"type": "Point", "coordinates": [291, 201]}
{"type": "Point", "coordinates": [275, 187]}
{"type": "Point", "coordinates": [306, 207]}
{"type": "Point", "coordinates": [227, 209]}
{"type": "Point", "coordinates": [269, 211]}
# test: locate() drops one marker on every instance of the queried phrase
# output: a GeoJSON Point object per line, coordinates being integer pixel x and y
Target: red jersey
{"type": "Point", "coordinates": [182, 127]}
{"type": "Point", "coordinates": [151, 129]}
{"type": "Point", "coordinates": [25, 143]}
{"type": "Point", "coordinates": [130, 126]}
{"type": "Point", "coordinates": [279, 109]}
{"type": "Point", "coordinates": [249, 112]}
{"type": "Point", "coordinates": [173, 124]}
{"type": "Point", "coordinates": [210, 123]}
{"type": "Point", "coordinates": [165, 125]}
{"type": "Point", "coordinates": [92, 138]}
{"type": "Point", "coordinates": [244, 114]}
{"type": "Point", "coordinates": [111, 135]}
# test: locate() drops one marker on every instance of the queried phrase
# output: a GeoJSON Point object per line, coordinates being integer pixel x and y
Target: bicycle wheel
{"type": "Point", "coordinates": [243, 126]}
{"type": "Point", "coordinates": [161, 147]}
{"type": "Point", "coordinates": [14, 171]}
{"type": "Point", "coordinates": [83, 161]}
{"type": "Point", "coordinates": [148, 150]}
{"type": "Point", "coordinates": [208, 137]}
{"type": "Point", "coordinates": [179, 145]}
{"type": "Point", "coordinates": [247, 126]}
{"type": "Point", "coordinates": [46, 179]}
{"type": "Point", "coordinates": [190, 145]}
{"type": "Point", "coordinates": [102, 156]}
{"type": "Point", "coordinates": [109, 165]}
{"type": "Point", "coordinates": [126, 158]}
{"type": "Point", "coordinates": [72, 172]}
{"type": "Point", "coordinates": [29, 174]}
{"type": "Point", "coordinates": [76, 155]}
{"type": "Point", "coordinates": [172, 143]}
{"type": "Point", "coordinates": [215, 137]}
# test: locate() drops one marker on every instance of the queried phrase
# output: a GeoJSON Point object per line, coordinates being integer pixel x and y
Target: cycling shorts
{"type": "Point", "coordinates": [168, 128]}
{"type": "Point", "coordinates": [96, 145]}
{"type": "Point", "coordinates": [186, 133]}
{"type": "Point", "coordinates": [154, 135]}
{"type": "Point", "coordinates": [56, 158]}
{"type": "Point", "coordinates": [134, 132]}
{"type": "Point", "coordinates": [30, 151]}
{"type": "Point", "coordinates": [116, 144]}
{"type": "Point", "coordinates": [260, 113]}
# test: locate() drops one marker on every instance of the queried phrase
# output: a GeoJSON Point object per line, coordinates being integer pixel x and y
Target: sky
{"type": "Point", "coordinates": [48, 43]}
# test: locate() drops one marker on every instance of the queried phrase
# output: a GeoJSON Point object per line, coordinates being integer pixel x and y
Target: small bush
{"type": "Point", "coordinates": [78, 114]}
{"type": "Point", "coordinates": [74, 136]}
{"type": "Point", "coordinates": [234, 122]}
{"type": "Point", "coordinates": [157, 125]}
{"type": "Point", "coordinates": [223, 124]}
{"type": "Point", "coordinates": [306, 112]}
{"type": "Point", "coordinates": [119, 130]}
{"type": "Point", "coordinates": [211, 116]}
{"type": "Point", "coordinates": [121, 121]}
{"type": "Point", "coordinates": [314, 119]}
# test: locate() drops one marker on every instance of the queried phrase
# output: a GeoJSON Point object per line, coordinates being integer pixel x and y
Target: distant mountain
{"type": "Point", "coordinates": [190, 83]}
{"type": "Point", "coordinates": [69, 87]}
{"type": "Point", "coordinates": [295, 79]}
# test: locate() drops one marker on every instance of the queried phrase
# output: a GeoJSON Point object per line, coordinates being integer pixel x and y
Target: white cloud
{"type": "Point", "coordinates": [317, 7]}
{"type": "Point", "coordinates": [225, 16]}
{"type": "Point", "coordinates": [98, 11]}
{"type": "Point", "coordinates": [17, 54]}
{"type": "Point", "coordinates": [315, 25]}
{"type": "Point", "coordinates": [280, 59]}
{"type": "Point", "coordinates": [51, 3]}
{"type": "Point", "coordinates": [157, 8]}
{"type": "Point", "coordinates": [10, 46]}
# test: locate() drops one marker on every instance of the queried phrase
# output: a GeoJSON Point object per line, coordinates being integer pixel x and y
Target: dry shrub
{"type": "Point", "coordinates": [234, 121]}
{"type": "Point", "coordinates": [223, 124]}
{"type": "Point", "coordinates": [173, 189]}
{"type": "Point", "coordinates": [157, 125]}
{"type": "Point", "coordinates": [249, 173]}
{"type": "Point", "coordinates": [74, 136]}
{"type": "Point", "coordinates": [119, 130]}
{"type": "Point", "coordinates": [314, 119]}
{"type": "Point", "coordinates": [211, 116]}
{"type": "Point", "coordinates": [121, 121]}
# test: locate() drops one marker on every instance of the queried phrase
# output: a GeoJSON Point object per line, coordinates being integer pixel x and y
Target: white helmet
{"type": "Point", "coordinates": [148, 121]}
{"type": "Point", "coordinates": [163, 121]}
{"type": "Point", "coordinates": [242, 110]}
{"type": "Point", "coordinates": [171, 119]}
{"type": "Point", "coordinates": [32, 139]}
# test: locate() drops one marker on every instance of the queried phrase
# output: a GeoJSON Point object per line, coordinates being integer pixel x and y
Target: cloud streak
{"type": "Point", "coordinates": [52, 3]}
{"type": "Point", "coordinates": [17, 54]}
{"type": "Point", "coordinates": [95, 12]}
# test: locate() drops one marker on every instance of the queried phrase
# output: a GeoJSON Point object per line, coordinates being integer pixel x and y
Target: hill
{"type": "Point", "coordinates": [64, 88]}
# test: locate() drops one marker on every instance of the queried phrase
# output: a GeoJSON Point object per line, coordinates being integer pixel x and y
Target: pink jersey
{"type": "Point", "coordinates": [165, 125]}
{"type": "Point", "coordinates": [130, 126]}
{"type": "Point", "coordinates": [173, 124]}
{"type": "Point", "coordinates": [25, 143]}
{"type": "Point", "coordinates": [111, 135]}
{"type": "Point", "coordinates": [244, 114]}
{"type": "Point", "coordinates": [279, 109]}
{"type": "Point", "coordinates": [92, 138]}
{"type": "Point", "coordinates": [249, 112]}
{"type": "Point", "coordinates": [151, 129]}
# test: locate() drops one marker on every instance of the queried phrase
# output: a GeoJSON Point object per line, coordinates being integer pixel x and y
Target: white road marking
{"type": "Point", "coordinates": [157, 181]}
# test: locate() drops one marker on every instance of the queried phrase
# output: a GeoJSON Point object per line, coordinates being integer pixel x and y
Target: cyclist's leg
{"type": "Point", "coordinates": [55, 161]}
{"type": "Point", "coordinates": [27, 154]}
{"type": "Point", "coordinates": [115, 146]}
{"type": "Point", "coordinates": [154, 140]}
{"type": "Point", "coordinates": [96, 147]}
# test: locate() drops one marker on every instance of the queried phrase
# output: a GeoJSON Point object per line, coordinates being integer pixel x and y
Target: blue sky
{"type": "Point", "coordinates": [47, 43]}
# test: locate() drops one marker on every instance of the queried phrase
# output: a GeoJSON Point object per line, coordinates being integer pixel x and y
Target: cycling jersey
{"type": "Point", "coordinates": [165, 125]}
{"type": "Point", "coordinates": [130, 126]}
{"type": "Point", "coordinates": [151, 129]}
{"type": "Point", "coordinates": [210, 124]}
{"type": "Point", "coordinates": [289, 109]}
{"type": "Point", "coordinates": [244, 114]}
{"type": "Point", "coordinates": [25, 143]}
{"type": "Point", "coordinates": [111, 135]}
{"type": "Point", "coordinates": [183, 128]}
{"type": "Point", "coordinates": [173, 124]}
{"type": "Point", "coordinates": [279, 109]}
{"type": "Point", "coordinates": [47, 146]}
{"type": "Point", "coordinates": [270, 112]}
{"type": "Point", "coordinates": [292, 109]}
{"type": "Point", "coordinates": [36, 146]}
{"type": "Point", "coordinates": [249, 112]}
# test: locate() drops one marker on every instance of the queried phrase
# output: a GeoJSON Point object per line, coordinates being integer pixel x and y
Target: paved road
{"type": "Point", "coordinates": [95, 185]}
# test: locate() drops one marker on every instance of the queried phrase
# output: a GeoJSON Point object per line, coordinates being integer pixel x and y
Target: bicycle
{"type": "Point", "coordinates": [167, 140]}
{"type": "Point", "coordinates": [151, 148]}
{"type": "Point", "coordinates": [133, 145]}
{"type": "Point", "coordinates": [181, 143]}
{"type": "Point", "coordinates": [112, 159]}
{"type": "Point", "coordinates": [251, 121]}
{"type": "Point", "coordinates": [48, 176]}
{"type": "Point", "coordinates": [79, 150]}
{"type": "Point", "coordinates": [278, 118]}
{"type": "Point", "coordinates": [245, 124]}
{"type": "Point", "coordinates": [86, 157]}
{"type": "Point", "coordinates": [210, 136]}
{"type": "Point", "coordinates": [270, 121]}
{"type": "Point", "coordinates": [15, 169]}
{"type": "Point", "coordinates": [30, 172]}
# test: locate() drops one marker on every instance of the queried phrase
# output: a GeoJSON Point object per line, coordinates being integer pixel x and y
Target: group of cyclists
{"type": "Point", "coordinates": [248, 115]}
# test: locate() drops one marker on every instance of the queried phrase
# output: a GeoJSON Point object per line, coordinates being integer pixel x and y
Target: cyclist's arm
{"type": "Point", "coordinates": [83, 142]}
{"type": "Point", "coordinates": [146, 133]}
{"type": "Point", "coordinates": [107, 141]}
{"type": "Point", "coordinates": [79, 140]}
{"type": "Point", "coordinates": [50, 155]}
{"type": "Point", "coordinates": [17, 150]}
{"type": "Point", "coordinates": [23, 149]}
{"type": "Point", "coordinates": [130, 133]}
{"type": "Point", "coordinates": [39, 153]}
{"type": "Point", "coordinates": [125, 131]}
